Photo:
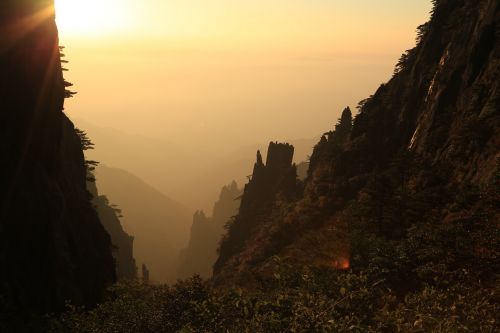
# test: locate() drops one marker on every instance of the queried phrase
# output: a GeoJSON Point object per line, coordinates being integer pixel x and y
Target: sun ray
{"type": "Point", "coordinates": [15, 31]}
{"type": "Point", "coordinates": [91, 17]}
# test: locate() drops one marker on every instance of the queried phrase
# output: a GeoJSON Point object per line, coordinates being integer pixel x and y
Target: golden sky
{"type": "Point", "coordinates": [230, 72]}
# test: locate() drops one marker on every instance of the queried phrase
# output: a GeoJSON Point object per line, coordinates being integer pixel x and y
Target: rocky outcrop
{"type": "Point", "coordinates": [269, 185]}
{"type": "Point", "coordinates": [278, 175]}
{"type": "Point", "coordinates": [442, 102]}
{"type": "Point", "coordinates": [53, 246]}
{"type": "Point", "coordinates": [414, 149]}
{"type": "Point", "coordinates": [123, 243]}
{"type": "Point", "coordinates": [200, 254]}
{"type": "Point", "coordinates": [206, 233]}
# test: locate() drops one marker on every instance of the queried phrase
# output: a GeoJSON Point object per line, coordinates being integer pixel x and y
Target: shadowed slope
{"type": "Point", "coordinates": [53, 247]}
{"type": "Point", "coordinates": [414, 150]}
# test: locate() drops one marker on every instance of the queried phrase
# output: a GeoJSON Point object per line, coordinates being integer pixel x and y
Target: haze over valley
{"type": "Point", "coordinates": [260, 166]}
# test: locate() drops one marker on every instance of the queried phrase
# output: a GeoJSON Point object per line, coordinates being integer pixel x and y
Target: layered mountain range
{"type": "Point", "coordinates": [160, 225]}
{"type": "Point", "coordinates": [123, 243]}
{"type": "Point", "coordinates": [399, 209]}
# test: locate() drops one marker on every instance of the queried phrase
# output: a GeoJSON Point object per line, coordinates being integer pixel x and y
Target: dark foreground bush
{"type": "Point", "coordinates": [322, 301]}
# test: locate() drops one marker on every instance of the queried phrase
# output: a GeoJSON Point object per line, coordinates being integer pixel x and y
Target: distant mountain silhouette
{"type": "Point", "coordinates": [159, 224]}
{"type": "Point", "coordinates": [185, 173]}
{"type": "Point", "coordinates": [235, 166]}
{"type": "Point", "coordinates": [206, 234]}
{"type": "Point", "coordinates": [123, 243]}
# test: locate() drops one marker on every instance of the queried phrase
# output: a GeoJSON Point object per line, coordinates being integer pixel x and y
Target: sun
{"type": "Point", "coordinates": [91, 17]}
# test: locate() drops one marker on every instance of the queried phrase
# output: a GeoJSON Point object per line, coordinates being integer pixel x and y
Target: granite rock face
{"type": "Point", "coordinates": [277, 175]}
{"type": "Point", "coordinates": [419, 143]}
{"type": "Point", "coordinates": [443, 101]}
{"type": "Point", "coordinates": [270, 183]}
{"type": "Point", "coordinates": [53, 247]}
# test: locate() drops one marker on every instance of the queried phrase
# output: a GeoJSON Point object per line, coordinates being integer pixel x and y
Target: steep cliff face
{"type": "Point", "coordinates": [123, 243]}
{"type": "Point", "coordinates": [53, 246]}
{"type": "Point", "coordinates": [206, 233]}
{"type": "Point", "coordinates": [200, 254]}
{"type": "Point", "coordinates": [442, 102]}
{"type": "Point", "coordinates": [415, 149]}
{"type": "Point", "coordinates": [226, 207]}
{"type": "Point", "coordinates": [270, 185]}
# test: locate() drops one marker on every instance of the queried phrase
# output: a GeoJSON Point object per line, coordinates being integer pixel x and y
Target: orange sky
{"type": "Point", "coordinates": [223, 73]}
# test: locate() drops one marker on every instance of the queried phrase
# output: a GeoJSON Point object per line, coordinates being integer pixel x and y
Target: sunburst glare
{"type": "Point", "coordinates": [91, 17]}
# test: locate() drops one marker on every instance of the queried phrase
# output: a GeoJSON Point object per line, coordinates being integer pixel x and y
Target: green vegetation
{"type": "Point", "coordinates": [434, 277]}
{"type": "Point", "coordinates": [301, 301]}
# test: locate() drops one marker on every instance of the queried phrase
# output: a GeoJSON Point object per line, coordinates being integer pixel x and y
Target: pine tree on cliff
{"type": "Point", "coordinates": [344, 126]}
{"type": "Point", "coordinates": [331, 142]}
{"type": "Point", "coordinates": [87, 144]}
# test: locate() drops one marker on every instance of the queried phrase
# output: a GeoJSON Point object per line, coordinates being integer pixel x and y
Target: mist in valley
{"type": "Point", "coordinates": [249, 166]}
{"type": "Point", "coordinates": [202, 107]}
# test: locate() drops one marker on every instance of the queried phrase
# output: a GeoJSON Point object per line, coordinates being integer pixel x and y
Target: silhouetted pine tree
{"type": "Point", "coordinates": [67, 93]}
{"type": "Point", "coordinates": [422, 31]}
{"type": "Point", "coordinates": [344, 126]}
{"type": "Point", "coordinates": [87, 144]}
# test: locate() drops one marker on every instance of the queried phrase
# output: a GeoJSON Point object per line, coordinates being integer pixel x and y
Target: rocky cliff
{"type": "Point", "coordinates": [206, 233]}
{"type": "Point", "coordinates": [270, 185]}
{"type": "Point", "coordinates": [123, 243]}
{"type": "Point", "coordinates": [53, 246]}
{"type": "Point", "coordinates": [426, 142]}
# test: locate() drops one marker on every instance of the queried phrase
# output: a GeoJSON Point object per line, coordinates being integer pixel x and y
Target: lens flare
{"type": "Point", "coordinates": [91, 17]}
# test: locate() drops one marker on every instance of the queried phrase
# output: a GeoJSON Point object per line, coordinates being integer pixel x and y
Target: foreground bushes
{"type": "Point", "coordinates": [434, 273]}
{"type": "Point", "coordinates": [318, 300]}
{"type": "Point", "coordinates": [438, 276]}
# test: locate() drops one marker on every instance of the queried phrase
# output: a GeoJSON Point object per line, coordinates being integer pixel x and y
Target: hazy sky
{"type": "Point", "coordinates": [224, 73]}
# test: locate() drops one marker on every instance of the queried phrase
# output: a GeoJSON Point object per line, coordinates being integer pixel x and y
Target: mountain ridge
{"type": "Point", "coordinates": [425, 130]}
{"type": "Point", "coordinates": [159, 224]}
